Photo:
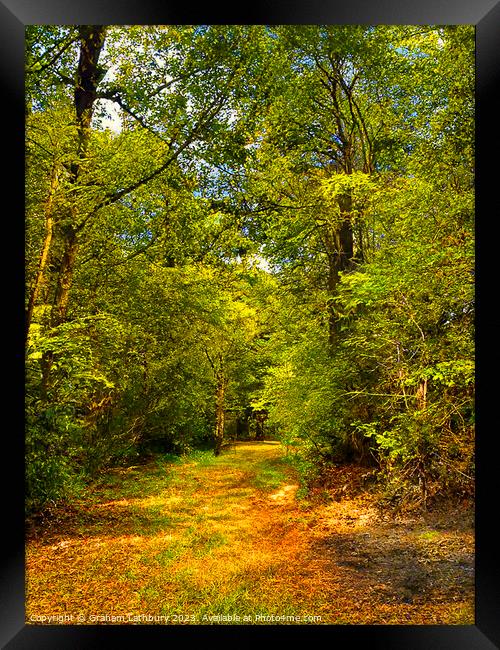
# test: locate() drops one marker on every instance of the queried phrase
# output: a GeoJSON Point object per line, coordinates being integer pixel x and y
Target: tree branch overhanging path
{"type": "Point", "coordinates": [249, 321]}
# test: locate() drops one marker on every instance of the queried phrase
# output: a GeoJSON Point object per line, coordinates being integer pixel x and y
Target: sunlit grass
{"type": "Point", "coordinates": [430, 535]}
{"type": "Point", "coordinates": [201, 537]}
{"type": "Point", "coordinates": [270, 474]}
{"type": "Point", "coordinates": [191, 544]}
{"type": "Point", "coordinates": [202, 458]}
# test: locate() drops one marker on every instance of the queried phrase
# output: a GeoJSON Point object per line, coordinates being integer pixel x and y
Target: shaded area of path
{"type": "Point", "coordinates": [224, 540]}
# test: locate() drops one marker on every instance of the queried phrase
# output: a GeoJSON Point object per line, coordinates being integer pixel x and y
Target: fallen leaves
{"type": "Point", "coordinates": [212, 539]}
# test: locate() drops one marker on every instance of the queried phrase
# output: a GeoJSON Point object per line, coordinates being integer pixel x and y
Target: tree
{"type": "Point", "coordinates": [97, 201]}
{"type": "Point", "coordinates": [250, 221]}
{"type": "Point", "coordinates": [390, 308]}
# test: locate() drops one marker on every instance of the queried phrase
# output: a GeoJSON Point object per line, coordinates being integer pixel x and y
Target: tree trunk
{"type": "Point", "coordinates": [340, 255]}
{"type": "Point", "coordinates": [39, 280]}
{"type": "Point", "coordinates": [219, 414]}
{"type": "Point", "coordinates": [259, 425]}
{"type": "Point", "coordinates": [242, 428]}
{"type": "Point", "coordinates": [65, 278]}
{"type": "Point", "coordinates": [87, 77]}
{"type": "Point", "coordinates": [421, 394]}
{"type": "Point", "coordinates": [346, 238]}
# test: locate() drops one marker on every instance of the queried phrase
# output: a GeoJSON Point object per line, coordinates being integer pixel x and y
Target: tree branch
{"type": "Point", "coordinates": [33, 70]}
{"type": "Point", "coordinates": [112, 198]}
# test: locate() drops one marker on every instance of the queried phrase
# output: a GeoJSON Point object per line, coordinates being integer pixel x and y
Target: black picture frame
{"type": "Point", "coordinates": [485, 15]}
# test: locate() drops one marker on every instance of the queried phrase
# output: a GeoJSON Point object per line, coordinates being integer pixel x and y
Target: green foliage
{"type": "Point", "coordinates": [397, 386]}
{"type": "Point", "coordinates": [51, 474]}
{"type": "Point", "coordinates": [197, 234]}
{"type": "Point", "coordinates": [305, 463]}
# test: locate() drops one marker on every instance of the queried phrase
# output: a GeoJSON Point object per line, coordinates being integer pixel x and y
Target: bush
{"type": "Point", "coordinates": [53, 471]}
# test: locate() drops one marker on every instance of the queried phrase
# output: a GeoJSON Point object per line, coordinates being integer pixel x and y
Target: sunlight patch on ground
{"type": "Point", "coordinates": [285, 494]}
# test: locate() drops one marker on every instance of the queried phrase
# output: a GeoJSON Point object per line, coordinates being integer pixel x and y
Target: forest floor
{"type": "Point", "coordinates": [225, 540]}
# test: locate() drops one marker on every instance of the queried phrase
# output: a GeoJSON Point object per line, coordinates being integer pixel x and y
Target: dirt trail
{"type": "Point", "coordinates": [225, 540]}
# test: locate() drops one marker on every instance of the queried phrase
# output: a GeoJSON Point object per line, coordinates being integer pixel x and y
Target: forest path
{"type": "Point", "coordinates": [225, 540]}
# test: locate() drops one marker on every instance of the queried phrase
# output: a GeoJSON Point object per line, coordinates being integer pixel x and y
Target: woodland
{"type": "Point", "coordinates": [246, 239]}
